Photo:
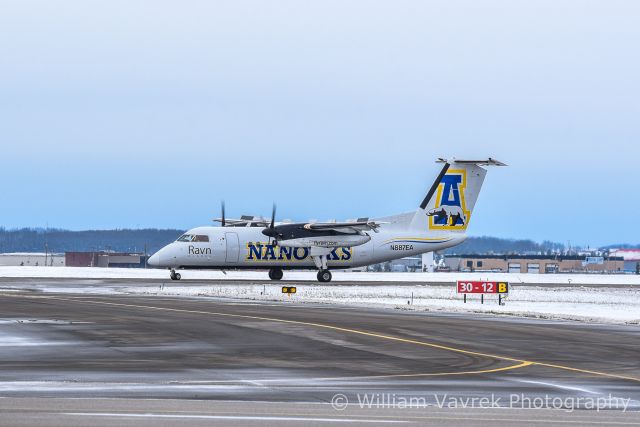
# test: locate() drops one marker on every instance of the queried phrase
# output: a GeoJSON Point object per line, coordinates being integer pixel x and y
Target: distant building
{"type": "Point", "coordinates": [631, 258]}
{"type": "Point", "coordinates": [536, 264]}
{"type": "Point", "coordinates": [31, 259]}
{"type": "Point", "coordinates": [104, 259]}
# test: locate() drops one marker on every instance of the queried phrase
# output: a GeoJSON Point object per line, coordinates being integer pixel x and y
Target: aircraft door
{"type": "Point", "coordinates": [233, 247]}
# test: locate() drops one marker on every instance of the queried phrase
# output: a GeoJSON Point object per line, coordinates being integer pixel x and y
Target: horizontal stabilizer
{"type": "Point", "coordinates": [487, 162]}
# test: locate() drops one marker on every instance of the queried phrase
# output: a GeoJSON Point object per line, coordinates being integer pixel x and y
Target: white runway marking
{"type": "Point", "coordinates": [560, 386]}
{"type": "Point", "coordinates": [231, 417]}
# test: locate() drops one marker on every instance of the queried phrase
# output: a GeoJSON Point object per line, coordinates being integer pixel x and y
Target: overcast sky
{"type": "Point", "coordinates": [148, 113]}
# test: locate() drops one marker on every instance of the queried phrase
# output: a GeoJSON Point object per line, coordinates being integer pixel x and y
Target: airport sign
{"type": "Point", "coordinates": [482, 287]}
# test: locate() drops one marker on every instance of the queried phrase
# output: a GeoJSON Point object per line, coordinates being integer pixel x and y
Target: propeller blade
{"type": "Point", "coordinates": [223, 221]}
{"type": "Point", "coordinates": [273, 217]}
{"type": "Point", "coordinates": [273, 222]}
{"type": "Point", "coordinates": [270, 230]}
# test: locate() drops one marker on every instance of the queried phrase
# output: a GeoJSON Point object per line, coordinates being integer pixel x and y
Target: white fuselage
{"type": "Point", "coordinates": [247, 247]}
{"type": "Point", "coordinates": [439, 222]}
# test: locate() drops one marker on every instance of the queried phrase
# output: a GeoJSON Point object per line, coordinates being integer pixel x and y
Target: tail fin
{"type": "Point", "coordinates": [450, 201]}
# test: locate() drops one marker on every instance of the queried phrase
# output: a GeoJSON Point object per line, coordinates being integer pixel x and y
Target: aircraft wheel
{"type": "Point", "coordinates": [324, 276]}
{"type": "Point", "coordinates": [275, 274]}
{"type": "Point", "coordinates": [175, 276]}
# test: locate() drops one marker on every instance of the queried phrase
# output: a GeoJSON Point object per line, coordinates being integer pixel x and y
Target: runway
{"type": "Point", "coordinates": [79, 359]}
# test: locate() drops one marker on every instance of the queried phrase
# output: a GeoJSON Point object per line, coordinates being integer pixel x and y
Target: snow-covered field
{"type": "Point", "coordinates": [599, 304]}
{"type": "Point", "coordinates": [593, 298]}
{"type": "Point", "coordinates": [138, 273]}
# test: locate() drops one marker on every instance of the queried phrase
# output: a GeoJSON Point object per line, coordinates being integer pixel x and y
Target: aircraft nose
{"type": "Point", "coordinates": [154, 260]}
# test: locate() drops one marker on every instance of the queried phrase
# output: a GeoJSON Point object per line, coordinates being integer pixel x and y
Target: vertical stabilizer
{"type": "Point", "coordinates": [448, 205]}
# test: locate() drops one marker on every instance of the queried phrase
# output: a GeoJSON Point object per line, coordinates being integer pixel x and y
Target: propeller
{"type": "Point", "coordinates": [273, 216]}
{"type": "Point", "coordinates": [270, 231]}
{"type": "Point", "coordinates": [222, 221]}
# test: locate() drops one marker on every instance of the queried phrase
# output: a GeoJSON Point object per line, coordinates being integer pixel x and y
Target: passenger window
{"type": "Point", "coordinates": [201, 238]}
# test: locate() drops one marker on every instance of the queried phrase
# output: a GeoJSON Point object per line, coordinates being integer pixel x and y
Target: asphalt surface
{"type": "Point", "coordinates": [83, 359]}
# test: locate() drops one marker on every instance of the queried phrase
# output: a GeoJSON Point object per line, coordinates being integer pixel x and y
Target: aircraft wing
{"type": "Point", "coordinates": [244, 221]}
{"type": "Point", "coordinates": [344, 227]}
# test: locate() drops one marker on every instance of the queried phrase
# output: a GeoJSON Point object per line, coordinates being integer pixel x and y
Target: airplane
{"type": "Point", "coordinates": [252, 242]}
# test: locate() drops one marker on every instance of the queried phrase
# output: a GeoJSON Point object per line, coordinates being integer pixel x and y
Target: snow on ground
{"type": "Point", "coordinates": [595, 304]}
{"type": "Point", "coordinates": [338, 276]}
{"type": "Point", "coordinates": [614, 299]}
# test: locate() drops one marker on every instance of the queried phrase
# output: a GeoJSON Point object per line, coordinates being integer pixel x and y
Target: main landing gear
{"type": "Point", "coordinates": [174, 275]}
{"type": "Point", "coordinates": [275, 274]}
{"type": "Point", "coordinates": [319, 256]}
{"type": "Point", "coordinates": [324, 276]}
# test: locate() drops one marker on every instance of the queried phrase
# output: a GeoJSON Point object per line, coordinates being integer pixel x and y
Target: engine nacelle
{"type": "Point", "coordinates": [326, 241]}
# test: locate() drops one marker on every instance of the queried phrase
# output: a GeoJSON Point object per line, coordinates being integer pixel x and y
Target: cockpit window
{"type": "Point", "coordinates": [193, 238]}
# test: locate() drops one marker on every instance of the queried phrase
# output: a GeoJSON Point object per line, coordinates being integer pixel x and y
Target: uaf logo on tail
{"type": "Point", "coordinates": [450, 211]}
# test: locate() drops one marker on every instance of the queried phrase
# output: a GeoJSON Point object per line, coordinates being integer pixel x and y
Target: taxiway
{"type": "Point", "coordinates": [68, 358]}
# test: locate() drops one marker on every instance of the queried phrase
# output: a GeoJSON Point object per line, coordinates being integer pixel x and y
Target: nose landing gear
{"type": "Point", "coordinates": [275, 274]}
{"type": "Point", "coordinates": [174, 275]}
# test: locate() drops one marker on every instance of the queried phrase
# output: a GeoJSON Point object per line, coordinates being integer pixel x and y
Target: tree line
{"type": "Point", "coordinates": [56, 240]}
{"type": "Point", "coordinates": [136, 240]}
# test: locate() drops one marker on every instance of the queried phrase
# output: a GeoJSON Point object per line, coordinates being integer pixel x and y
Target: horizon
{"type": "Point", "coordinates": [565, 245]}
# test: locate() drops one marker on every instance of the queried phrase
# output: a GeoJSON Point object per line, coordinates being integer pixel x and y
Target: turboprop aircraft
{"type": "Point", "coordinates": [250, 242]}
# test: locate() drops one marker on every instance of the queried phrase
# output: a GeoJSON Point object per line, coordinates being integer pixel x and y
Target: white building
{"type": "Point", "coordinates": [31, 259]}
{"type": "Point", "coordinates": [631, 257]}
